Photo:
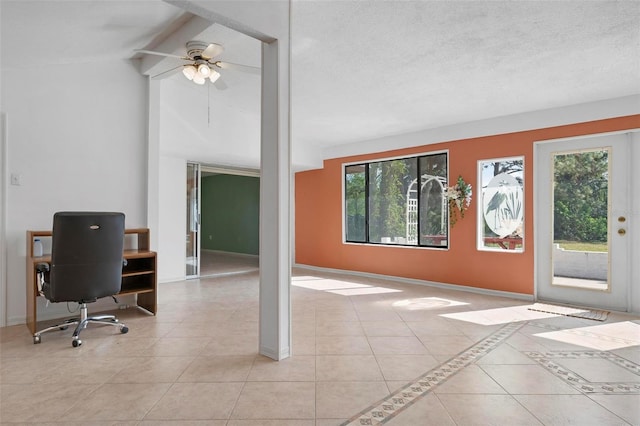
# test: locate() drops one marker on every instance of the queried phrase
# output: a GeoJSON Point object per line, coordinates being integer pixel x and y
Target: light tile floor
{"type": "Point", "coordinates": [222, 263]}
{"type": "Point", "coordinates": [365, 351]}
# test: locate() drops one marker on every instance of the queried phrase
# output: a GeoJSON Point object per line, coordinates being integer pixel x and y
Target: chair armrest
{"type": "Point", "coordinates": [42, 267]}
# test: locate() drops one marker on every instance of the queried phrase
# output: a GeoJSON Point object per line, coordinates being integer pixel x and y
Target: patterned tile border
{"type": "Point", "coordinates": [580, 383]}
{"type": "Point", "coordinates": [389, 407]}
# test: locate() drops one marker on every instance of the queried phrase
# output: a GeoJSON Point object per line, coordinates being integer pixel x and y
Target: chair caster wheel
{"type": "Point", "coordinates": [76, 343]}
{"type": "Point", "coordinates": [36, 340]}
{"type": "Point", "coordinates": [124, 330]}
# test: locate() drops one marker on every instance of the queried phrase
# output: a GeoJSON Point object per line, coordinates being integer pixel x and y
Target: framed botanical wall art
{"type": "Point", "coordinates": [501, 204]}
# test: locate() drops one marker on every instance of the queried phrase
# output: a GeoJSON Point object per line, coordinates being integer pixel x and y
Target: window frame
{"type": "Point", "coordinates": [366, 164]}
{"type": "Point", "coordinates": [480, 235]}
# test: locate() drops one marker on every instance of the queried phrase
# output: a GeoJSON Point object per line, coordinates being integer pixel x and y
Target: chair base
{"type": "Point", "coordinates": [82, 323]}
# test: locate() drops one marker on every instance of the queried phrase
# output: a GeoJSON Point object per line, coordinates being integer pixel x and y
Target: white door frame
{"type": "Point", "coordinates": [198, 195]}
{"type": "Point", "coordinates": [633, 215]}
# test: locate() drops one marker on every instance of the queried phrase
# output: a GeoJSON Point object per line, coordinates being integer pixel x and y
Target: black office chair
{"type": "Point", "coordinates": [86, 264]}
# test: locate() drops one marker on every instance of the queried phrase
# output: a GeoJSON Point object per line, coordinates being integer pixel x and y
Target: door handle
{"type": "Point", "coordinates": [621, 231]}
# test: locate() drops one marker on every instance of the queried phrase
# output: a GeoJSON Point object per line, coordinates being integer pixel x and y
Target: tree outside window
{"type": "Point", "coordinates": [383, 204]}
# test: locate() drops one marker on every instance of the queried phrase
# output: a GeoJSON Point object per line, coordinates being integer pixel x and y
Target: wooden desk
{"type": "Point", "coordinates": [138, 276]}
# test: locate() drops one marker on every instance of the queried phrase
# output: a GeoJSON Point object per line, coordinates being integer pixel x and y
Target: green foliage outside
{"type": "Point", "coordinates": [355, 203]}
{"type": "Point", "coordinates": [433, 220]}
{"type": "Point", "coordinates": [388, 183]}
{"type": "Point", "coordinates": [580, 196]}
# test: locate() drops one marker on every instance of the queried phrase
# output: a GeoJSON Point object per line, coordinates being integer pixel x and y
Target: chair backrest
{"type": "Point", "coordinates": [86, 256]}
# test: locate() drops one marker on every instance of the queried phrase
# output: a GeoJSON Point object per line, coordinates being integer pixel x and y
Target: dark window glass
{"type": "Point", "coordinates": [355, 203]}
{"type": "Point", "coordinates": [433, 204]}
{"type": "Point", "coordinates": [384, 203]}
{"type": "Point", "coordinates": [389, 182]}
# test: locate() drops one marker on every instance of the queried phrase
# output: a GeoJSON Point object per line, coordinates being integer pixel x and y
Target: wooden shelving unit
{"type": "Point", "coordinates": [139, 276]}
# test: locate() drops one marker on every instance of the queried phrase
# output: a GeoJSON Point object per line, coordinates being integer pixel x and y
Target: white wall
{"type": "Point", "coordinates": [172, 218]}
{"type": "Point", "coordinates": [77, 138]}
{"type": "Point", "coordinates": [229, 136]}
{"type": "Point", "coordinates": [600, 110]}
{"type": "Point", "coordinates": [589, 265]}
{"type": "Point", "coordinates": [207, 125]}
{"type": "Point", "coordinates": [3, 206]}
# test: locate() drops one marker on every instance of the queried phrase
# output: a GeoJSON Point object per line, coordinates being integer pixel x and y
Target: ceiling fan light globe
{"type": "Point", "coordinates": [198, 78]}
{"type": "Point", "coordinates": [214, 76]}
{"type": "Point", "coordinates": [204, 70]}
{"type": "Point", "coordinates": [189, 71]}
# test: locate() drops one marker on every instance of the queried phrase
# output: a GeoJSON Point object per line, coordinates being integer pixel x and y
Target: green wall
{"type": "Point", "coordinates": [230, 213]}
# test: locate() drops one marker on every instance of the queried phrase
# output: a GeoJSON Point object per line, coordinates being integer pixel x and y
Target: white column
{"type": "Point", "coordinates": [153, 161]}
{"type": "Point", "coordinates": [275, 207]}
{"type": "Point", "coordinates": [269, 22]}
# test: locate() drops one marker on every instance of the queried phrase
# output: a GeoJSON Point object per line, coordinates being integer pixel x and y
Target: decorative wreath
{"type": "Point", "coordinates": [459, 199]}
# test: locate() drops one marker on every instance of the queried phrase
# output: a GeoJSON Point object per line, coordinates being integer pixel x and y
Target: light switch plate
{"type": "Point", "coordinates": [15, 179]}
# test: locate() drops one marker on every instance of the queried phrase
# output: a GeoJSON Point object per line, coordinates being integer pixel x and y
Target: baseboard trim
{"type": "Point", "coordinates": [275, 354]}
{"type": "Point", "coordinates": [457, 287]}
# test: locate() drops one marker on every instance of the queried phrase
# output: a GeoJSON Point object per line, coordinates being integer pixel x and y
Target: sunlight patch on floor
{"type": "Point", "coordinates": [343, 288]}
{"type": "Point", "coordinates": [500, 315]}
{"type": "Point", "coordinates": [363, 291]}
{"type": "Point", "coordinates": [313, 283]}
{"type": "Point", "coordinates": [424, 303]}
{"type": "Point", "coordinates": [604, 337]}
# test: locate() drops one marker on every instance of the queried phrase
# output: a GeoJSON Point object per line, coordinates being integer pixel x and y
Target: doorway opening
{"type": "Point", "coordinates": [227, 215]}
{"type": "Point", "coordinates": [583, 238]}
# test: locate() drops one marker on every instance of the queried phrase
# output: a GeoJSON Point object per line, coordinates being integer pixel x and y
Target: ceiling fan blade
{"type": "Point", "coordinates": [169, 72]}
{"type": "Point", "coordinates": [211, 51]}
{"type": "Point", "coordinates": [238, 67]}
{"type": "Point", "coordinates": [169, 55]}
{"type": "Point", "coordinates": [220, 84]}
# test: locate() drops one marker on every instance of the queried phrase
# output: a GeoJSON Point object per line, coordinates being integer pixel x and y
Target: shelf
{"type": "Point", "coordinates": [138, 254]}
{"type": "Point", "coordinates": [135, 290]}
{"type": "Point", "coordinates": [137, 273]}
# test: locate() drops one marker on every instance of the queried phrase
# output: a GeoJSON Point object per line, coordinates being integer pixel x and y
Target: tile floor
{"type": "Point", "coordinates": [222, 263]}
{"type": "Point", "coordinates": [365, 351]}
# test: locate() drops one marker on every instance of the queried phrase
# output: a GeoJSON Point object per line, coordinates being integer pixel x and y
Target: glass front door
{"type": "Point", "coordinates": [193, 221]}
{"type": "Point", "coordinates": [582, 205]}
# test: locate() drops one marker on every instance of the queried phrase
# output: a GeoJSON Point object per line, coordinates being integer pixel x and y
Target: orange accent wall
{"type": "Point", "coordinates": [318, 216]}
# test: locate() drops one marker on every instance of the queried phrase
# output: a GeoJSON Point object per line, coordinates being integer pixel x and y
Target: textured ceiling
{"type": "Point", "coordinates": [80, 31]}
{"type": "Point", "coordinates": [367, 69]}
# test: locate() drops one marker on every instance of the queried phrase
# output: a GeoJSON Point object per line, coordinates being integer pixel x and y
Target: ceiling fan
{"type": "Point", "coordinates": [201, 63]}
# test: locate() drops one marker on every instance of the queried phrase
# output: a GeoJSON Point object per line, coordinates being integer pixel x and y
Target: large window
{"type": "Point", "coordinates": [399, 201]}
